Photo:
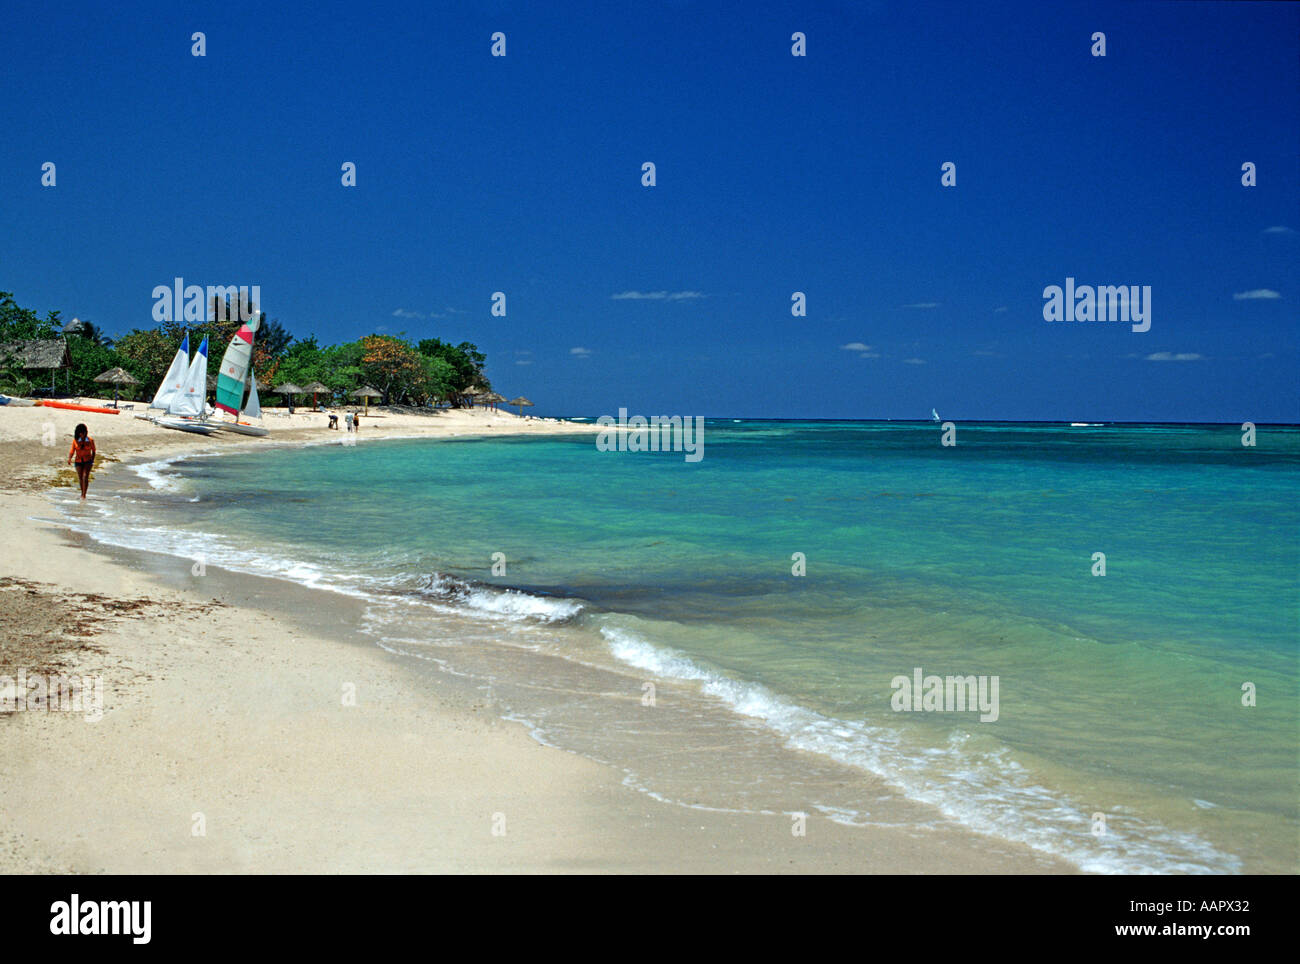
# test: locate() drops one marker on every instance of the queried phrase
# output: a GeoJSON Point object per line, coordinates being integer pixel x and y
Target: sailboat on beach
{"type": "Point", "coordinates": [237, 373]}
{"type": "Point", "coordinates": [186, 403]}
{"type": "Point", "coordinates": [174, 381]}
{"type": "Point", "coordinates": [181, 393]}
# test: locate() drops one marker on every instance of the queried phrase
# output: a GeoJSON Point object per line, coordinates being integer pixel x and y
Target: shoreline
{"type": "Point", "coordinates": [227, 703]}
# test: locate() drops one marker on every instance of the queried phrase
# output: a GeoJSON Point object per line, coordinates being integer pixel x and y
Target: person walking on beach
{"type": "Point", "coordinates": [348, 418]}
{"type": "Point", "coordinates": [82, 455]}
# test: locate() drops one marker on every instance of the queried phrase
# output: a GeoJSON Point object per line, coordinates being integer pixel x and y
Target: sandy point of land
{"type": "Point", "coordinates": [227, 741]}
{"type": "Point", "coordinates": [34, 441]}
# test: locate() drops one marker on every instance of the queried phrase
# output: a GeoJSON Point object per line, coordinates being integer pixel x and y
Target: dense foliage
{"type": "Point", "coordinates": [423, 373]}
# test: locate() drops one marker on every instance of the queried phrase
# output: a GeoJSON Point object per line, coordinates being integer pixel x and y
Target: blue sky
{"type": "Point", "coordinates": [775, 174]}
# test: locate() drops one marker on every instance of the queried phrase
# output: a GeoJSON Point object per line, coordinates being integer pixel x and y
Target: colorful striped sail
{"type": "Point", "coordinates": [234, 367]}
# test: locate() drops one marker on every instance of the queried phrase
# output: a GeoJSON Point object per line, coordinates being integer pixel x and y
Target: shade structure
{"type": "Point", "coordinates": [287, 388]}
{"type": "Point", "coordinates": [117, 377]}
{"type": "Point", "coordinates": [316, 388]}
{"type": "Point", "coordinates": [493, 399]}
{"type": "Point", "coordinates": [520, 402]}
{"type": "Point", "coordinates": [367, 393]}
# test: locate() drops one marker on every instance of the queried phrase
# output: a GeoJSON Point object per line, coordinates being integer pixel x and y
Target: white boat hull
{"type": "Point", "coordinates": [239, 427]}
{"type": "Point", "coordinates": [184, 425]}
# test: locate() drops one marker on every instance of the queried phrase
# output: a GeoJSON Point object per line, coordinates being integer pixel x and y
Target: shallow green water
{"type": "Point", "coordinates": [1118, 694]}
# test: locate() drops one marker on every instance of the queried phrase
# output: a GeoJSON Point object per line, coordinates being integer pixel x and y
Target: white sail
{"type": "Point", "coordinates": [252, 408]}
{"type": "Point", "coordinates": [174, 380]}
{"type": "Point", "coordinates": [189, 401]}
{"type": "Point", "coordinates": [934, 415]}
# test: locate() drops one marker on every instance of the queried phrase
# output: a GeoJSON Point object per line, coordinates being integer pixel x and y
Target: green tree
{"type": "Point", "coordinates": [20, 324]}
{"type": "Point", "coordinates": [147, 353]}
{"type": "Point", "coordinates": [465, 359]}
{"type": "Point", "coordinates": [89, 359]}
{"type": "Point", "coordinates": [391, 366]}
{"type": "Point", "coordinates": [23, 323]}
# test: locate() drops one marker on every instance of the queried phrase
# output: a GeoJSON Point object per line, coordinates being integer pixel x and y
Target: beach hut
{"type": "Point", "coordinates": [316, 388]}
{"type": "Point", "coordinates": [39, 353]}
{"type": "Point", "coordinates": [367, 393]}
{"type": "Point", "coordinates": [520, 402]}
{"type": "Point", "coordinates": [117, 377]}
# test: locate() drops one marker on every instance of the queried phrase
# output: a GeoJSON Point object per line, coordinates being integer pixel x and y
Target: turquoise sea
{"type": "Point", "coordinates": [640, 608]}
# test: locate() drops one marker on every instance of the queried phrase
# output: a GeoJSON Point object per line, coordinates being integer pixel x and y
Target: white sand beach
{"type": "Point", "coordinates": [225, 745]}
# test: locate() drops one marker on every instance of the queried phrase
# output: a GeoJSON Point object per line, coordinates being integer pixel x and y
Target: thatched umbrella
{"type": "Point", "coordinates": [471, 392]}
{"type": "Point", "coordinates": [117, 377]}
{"type": "Point", "coordinates": [315, 388]}
{"type": "Point", "coordinates": [493, 399]}
{"type": "Point", "coordinates": [289, 389]}
{"type": "Point", "coordinates": [520, 402]}
{"type": "Point", "coordinates": [367, 393]}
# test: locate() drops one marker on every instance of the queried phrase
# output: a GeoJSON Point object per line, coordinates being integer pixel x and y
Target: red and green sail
{"type": "Point", "coordinates": [233, 375]}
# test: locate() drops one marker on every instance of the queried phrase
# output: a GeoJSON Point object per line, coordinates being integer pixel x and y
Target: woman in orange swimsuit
{"type": "Point", "coordinates": [82, 455]}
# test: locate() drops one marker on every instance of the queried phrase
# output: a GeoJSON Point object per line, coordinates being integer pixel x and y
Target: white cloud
{"type": "Point", "coordinates": [1279, 229]}
{"type": "Point", "coordinates": [524, 361]}
{"type": "Point", "coordinates": [922, 304]}
{"type": "Point", "coordinates": [403, 313]}
{"type": "Point", "coordinates": [656, 295]}
{"type": "Point", "coordinates": [913, 361]}
{"type": "Point", "coordinates": [1256, 294]}
{"type": "Point", "coordinates": [870, 354]}
{"type": "Point", "coordinates": [1172, 356]}
{"type": "Point", "coordinates": [580, 352]}
{"type": "Point", "coordinates": [999, 309]}
{"type": "Point", "coordinates": [856, 346]}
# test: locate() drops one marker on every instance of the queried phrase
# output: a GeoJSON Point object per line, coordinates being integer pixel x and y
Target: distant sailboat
{"type": "Point", "coordinates": [934, 415]}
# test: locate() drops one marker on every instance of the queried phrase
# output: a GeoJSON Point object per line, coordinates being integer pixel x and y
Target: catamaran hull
{"type": "Point", "coordinates": [255, 430]}
{"type": "Point", "coordinates": [182, 425]}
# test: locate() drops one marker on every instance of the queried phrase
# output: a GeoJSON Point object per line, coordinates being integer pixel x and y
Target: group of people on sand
{"type": "Point", "coordinates": [353, 420]}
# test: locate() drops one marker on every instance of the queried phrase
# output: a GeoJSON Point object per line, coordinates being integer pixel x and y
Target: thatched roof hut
{"type": "Point", "coordinates": [39, 352]}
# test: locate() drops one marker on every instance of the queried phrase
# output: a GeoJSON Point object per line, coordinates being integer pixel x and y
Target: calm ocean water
{"type": "Point", "coordinates": [1120, 697]}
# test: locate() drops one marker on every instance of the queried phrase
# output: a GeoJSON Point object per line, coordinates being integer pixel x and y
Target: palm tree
{"type": "Point", "coordinates": [89, 331]}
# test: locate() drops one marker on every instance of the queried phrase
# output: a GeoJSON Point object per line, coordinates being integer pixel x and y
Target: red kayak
{"type": "Point", "coordinates": [76, 408]}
